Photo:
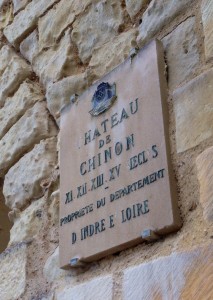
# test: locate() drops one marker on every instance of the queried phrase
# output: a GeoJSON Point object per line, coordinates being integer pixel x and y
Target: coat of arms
{"type": "Point", "coordinates": [103, 98]}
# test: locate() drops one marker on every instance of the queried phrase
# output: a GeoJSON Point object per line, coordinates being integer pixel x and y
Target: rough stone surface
{"type": "Point", "coordinates": [13, 272]}
{"type": "Point", "coordinates": [6, 13]}
{"type": "Point", "coordinates": [59, 93]}
{"type": "Point", "coordinates": [158, 14]}
{"type": "Point", "coordinates": [3, 2]}
{"type": "Point", "coordinates": [16, 72]}
{"type": "Point", "coordinates": [207, 17]}
{"type": "Point", "coordinates": [181, 52]}
{"type": "Point", "coordinates": [99, 288]}
{"type": "Point", "coordinates": [19, 4]}
{"type": "Point", "coordinates": [26, 20]}
{"type": "Point", "coordinates": [53, 210]}
{"type": "Point", "coordinates": [28, 224]}
{"type": "Point", "coordinates": [186, 275]}
{"type": "Point", "coordinates": [194, 111]}
{"type": "Point", "coordinates": [32, 127]}
{"type": "Point", "coordinates": [111, 54]}
{"type": "Point", "coordinates": [133, 7]}
{"type": "Point", "coordinates": [52, 25]}
{"type": "Point", "coordinates": [29, 47]}
{"type": "Point", "coordinates": [57, 62]}
{"type": "Point", "coordinates": [23, 184]}
{"type": "Point", "coordinates": [205, 176]}
{"type": "Point", "coordinates": [27, 94]}
{"type": "Point", "coordinates": [99, 25]}
{"type": "Point", "coordinates": [6, 55]}
{"type": "Point", "coordinates": [52, 271]}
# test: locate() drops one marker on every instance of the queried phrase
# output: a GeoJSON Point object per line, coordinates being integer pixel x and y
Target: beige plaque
{"type": "Point", "coordinates": [116, 181]}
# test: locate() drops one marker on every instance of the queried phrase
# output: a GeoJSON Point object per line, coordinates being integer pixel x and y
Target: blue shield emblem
{"type": "Point", "coordinates": [103, 98]}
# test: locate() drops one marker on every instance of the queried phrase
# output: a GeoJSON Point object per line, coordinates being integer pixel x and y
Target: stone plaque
{"type": "Point", "coordinates": [116, 182]}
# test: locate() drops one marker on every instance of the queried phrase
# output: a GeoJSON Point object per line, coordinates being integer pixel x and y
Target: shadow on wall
{"type": "Point", "coordinates": [5, 224]}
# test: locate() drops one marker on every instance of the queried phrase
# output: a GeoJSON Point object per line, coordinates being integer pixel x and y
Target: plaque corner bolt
{"type": "Point", "coordinates": [76, 262]}
{"type": "Point", "coordinates": [149, 235]}
{"type": "Point", "coordinates": [73, 98]}
{"type": "Point", "coordinates": [133, 52]}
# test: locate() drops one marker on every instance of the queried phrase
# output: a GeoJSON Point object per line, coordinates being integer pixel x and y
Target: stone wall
{"type": "Point", "coordinates": [51, 49]}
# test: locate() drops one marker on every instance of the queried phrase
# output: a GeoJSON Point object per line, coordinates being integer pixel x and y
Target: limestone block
{"type": "Point", "coordinates": [186, 275]}
{"type": "Point", "coordinates": [99, 25]}
{"type": "Point", "coordinates": [205, 177]}
{"type": "Point", "coordinates": [3, 2]}
{"type": "Point", "coordinates": [28, 224]}
{"type": "Point", "coordinates": [6, 55]}
{"type": "Point", "coordinates": [32, 127]}
{"type": "Point", "coordinates": [207, 18]}
{"type": "Point", "coordinates": [59, 93]}
{"type": "Point", "coordinates": [52, 271]}
{"type": "Point", "coordinates": [98, 288]}
{"type": "Point", "coordinates": [111, 54]}
{"type": "Point", "coordinates": [29, 46]}
{"type": "Point", "coordinates": [26, 20]}
{"type": "Point", "coordinates": [57, 62]}
{"type": "Point", "coordinates": [1, 40]}
{"type": "Point", "coordinates": [6, 14]}
{"type": "Point", "coordinates": [53, 210]}
{"type": "Point", "coordinates": [193, 108]}
{"type": "Point", "coordinates": [19, 4]}
{"type": "Point", "coordinates": [48, 297]}
{"type": "Point", "coordinates": [15, 73]}
{"type": "Point", "coordinates": [158, 14]}
{"type": "Point", "coordinates": [133, 7]}
{"type": "Point", "coordinates": [23, 181]}
{"type": "Point", "coordinates": [13, 272]}
{"type": "Point", "coordinates": [27, 94]}
{"type": "Point", "coordinates": [52, 25]}
{"type": "Point", "coordinates": [181, 52]}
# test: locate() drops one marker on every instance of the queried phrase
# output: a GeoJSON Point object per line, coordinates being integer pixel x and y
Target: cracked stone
{"type": "Point", "coordinates": [23, 184]}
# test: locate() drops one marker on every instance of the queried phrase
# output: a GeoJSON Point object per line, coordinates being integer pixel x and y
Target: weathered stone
{"type": "Point", "coordinates": [5, 224]}
{"type": "Point", "coordinates": [6, 55]}
{"type": "Point", "coordinates": [50, 296]}
{"type": "Point", "coordinates": [1, 40]}
{"type": "Point", "coordinates": [158, 14]}
{"type": "Point", "coordinates": [28, 224]}
{"type": "Point", "coordinates": [27, 94]}
{"type": "Point", "coordinates": [111, 54]}
{"type": "Point", "coordinates": [52, 270]}
{"type": "Point", "coordinates": [3, 2]}
{"type": "Point", "coordinates": [133, 7]}
{"type": "Point", "coordinates": [181, 52]}
{"type": "Point", "coordinates": [53, 210]}
{"type": "Point", "coordinates": [205, 177]}
{"type": "Point", "coordinates": [186, 275]}
{"type": "Point", "coordinates": [6, 13]}
{"type": "Point", "coordinates": [29, 46]}
{"type": "Point", "coordinates": [194, 111]}
{"type": "Point", "coordinates": [32, 127]}
{"type": "Point", "coordinates": [19, 4]}
{"type": "Point", "coordinates": [57, 62]}
{"type": "Point", "coordinates": [59, 93]}
{"type": "Point", "coordinates": [24, 183]}
{"type": "Point", "coordinates": [15, 73]}
{"type": "Point", "coordinates": [99, 25]}
{"type": "Point", "coordinates": [98, 288]}
{"type": "Point", "coordinates": [13, 272]}
{"type": "Point", "coordinates": [26, 20]}
{"type": "Point", "coordinates": [207, 17]}
{"type": "Point", "coordinates": [52, 25]}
